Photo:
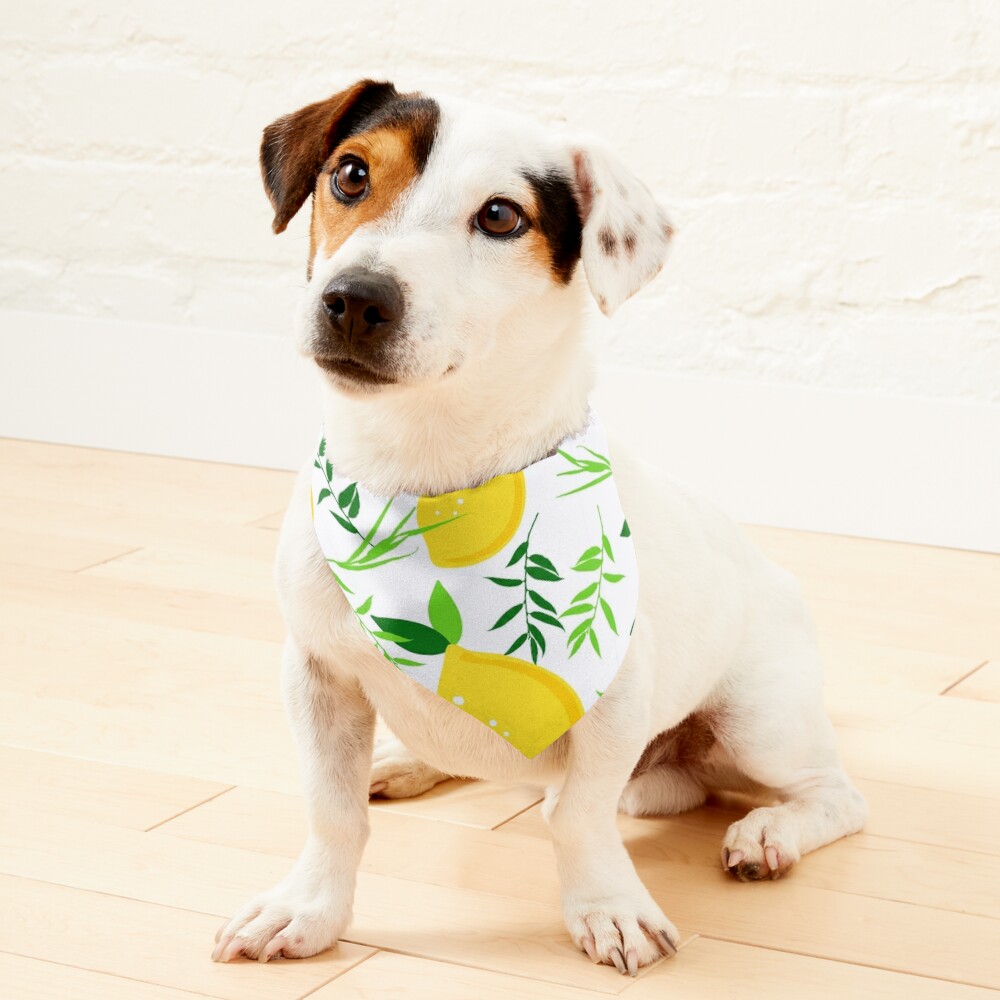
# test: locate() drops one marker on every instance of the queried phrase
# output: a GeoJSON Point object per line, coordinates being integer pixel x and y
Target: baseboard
{"type": "Point", "coordinates": [902, 468]}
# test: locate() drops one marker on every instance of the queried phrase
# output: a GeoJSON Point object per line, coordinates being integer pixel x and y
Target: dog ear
{"type": "Point", "coordinates": [626, 233]}
{"type": "Point", "coordinates": [295, 147]}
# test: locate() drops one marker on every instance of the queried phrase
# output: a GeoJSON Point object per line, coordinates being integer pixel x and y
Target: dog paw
{"type": "Point", "coordinates": [762, 845]}
{"type": "Point", "coordinates": [397, 774]}
{"type": "Point", "coordinates": [622, 932]}
{"type": "Point", "coordinates": [282, 923]}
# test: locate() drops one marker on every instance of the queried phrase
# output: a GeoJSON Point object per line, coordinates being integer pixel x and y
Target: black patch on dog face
{"type": "Point", "coordinates": [557, 217]}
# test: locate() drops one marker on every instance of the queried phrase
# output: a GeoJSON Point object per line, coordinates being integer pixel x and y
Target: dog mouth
{"type": "Point", "coordinates": [353, 370]}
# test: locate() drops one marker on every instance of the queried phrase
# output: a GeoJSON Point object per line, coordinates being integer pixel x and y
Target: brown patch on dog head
{"type": "Point", "coordinates": [607, 240]}
{"type": "Point", "coordinates": [393, 154]}
{"type": "Point", "coordinates": [295, 148]}
{"type": "Point", "coordinates": [629, 239]}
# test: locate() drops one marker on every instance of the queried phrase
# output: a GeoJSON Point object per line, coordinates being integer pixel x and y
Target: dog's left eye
{"type": "Point", "coordinates": [350, 179]}
{"type": "Point", "coordinates": [499, 217]}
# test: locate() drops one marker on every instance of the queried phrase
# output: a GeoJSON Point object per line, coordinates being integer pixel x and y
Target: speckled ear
{"type": "Point", "coordinates": [626, 233]}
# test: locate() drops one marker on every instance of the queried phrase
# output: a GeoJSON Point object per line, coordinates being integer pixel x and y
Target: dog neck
{"type": "Point", "coordinates": [486, 419]}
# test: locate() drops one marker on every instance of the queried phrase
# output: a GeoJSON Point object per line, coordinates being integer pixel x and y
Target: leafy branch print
{"type": "Point", "coordinates": [533, 609]}
{"type": "Point", "coordinates": [368, 554]}
{"type": "Point", "coordinates": [590, 599]}
{"type": "Point", "coordinates": [597, 466]}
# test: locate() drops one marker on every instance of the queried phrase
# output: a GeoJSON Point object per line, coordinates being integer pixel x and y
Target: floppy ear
{"type": "Point", "coordinates": [295, 147]}
{"type": "Point", "coordinates": [626, 233]}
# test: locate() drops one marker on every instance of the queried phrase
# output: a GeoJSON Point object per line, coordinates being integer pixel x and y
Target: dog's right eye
{"type": "Point", "coordinates": [350, 179]}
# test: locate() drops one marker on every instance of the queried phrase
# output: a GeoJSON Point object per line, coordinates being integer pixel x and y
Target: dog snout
{"type": "Point", "coordinates": [362, 307]}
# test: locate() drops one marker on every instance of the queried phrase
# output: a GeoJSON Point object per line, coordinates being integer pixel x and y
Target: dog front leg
{"type": "Point", "coordinates": [308, 910]}
{"type": "Point", "coordinates": [608, 911]}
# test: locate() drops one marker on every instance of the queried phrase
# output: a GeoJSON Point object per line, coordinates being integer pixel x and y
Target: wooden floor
{"type": "Point", "coordinates": [150, 785]}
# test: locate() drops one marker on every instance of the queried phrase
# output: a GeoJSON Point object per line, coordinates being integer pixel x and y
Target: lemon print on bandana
{"type": "Point", "coordinates": [527, 705]}
{"type": "Point", "coordinates": [472, 525]}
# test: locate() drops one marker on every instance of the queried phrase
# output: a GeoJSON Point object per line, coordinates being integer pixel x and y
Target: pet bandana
{"type": "Point", "coordinates": [514, 600]}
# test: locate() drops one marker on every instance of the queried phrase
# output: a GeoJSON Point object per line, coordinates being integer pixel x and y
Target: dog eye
{"type": "Point", "coordinates": [350, 179]}
{"type": "Point", "coordinates": [498, 217]}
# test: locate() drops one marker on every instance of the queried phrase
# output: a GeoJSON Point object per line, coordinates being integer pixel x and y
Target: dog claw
{"type": "Point", "coordinates": [223, 942]}
{"type": "Point", "coordinates": [589, 948]}
{"type": "Point", "coordinates": [735, 857]}
{"type": "Point", "coordinates": [771, 857]}
{"type": "Point", "coordinates": [619, 960]}
{"type": "Point", "coordinates": [632, 962]}
{"type": "Point", "coordinates": [667, 946]}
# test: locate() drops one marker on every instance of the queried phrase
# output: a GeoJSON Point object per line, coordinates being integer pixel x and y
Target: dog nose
{"type": "Point", "coordinates": [363, 307]}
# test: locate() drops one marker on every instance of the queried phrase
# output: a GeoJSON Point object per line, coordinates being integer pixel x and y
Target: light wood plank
{"type": "Point", "coordinates": [388, 975]}
{"type": "Point", "coordinates": [917, 760]}
{"type": "Point", "coordinates": [90, 594]}
{"type": "Point", "coordinates": [123, 481]}
{"type": "Point", "coordinates": [966, 721]}
{"type": "Point", "coordinates": [156, 697]}
{"type": "Point", "coordinates": [931, 816]}
{"type": "Point", "coordinates": [32, 979]}
{"type": "Point", "coordinates": [851, 663]}
{"type": "Point", "coordinates": [76, 789]}
{"type": "Point", "coordinates": [90, 930]}
{"type": "Point", "coordinates": [272, 522]}
{"type": "Point", "coordinates": [982, 685]}
{"type": "Point", "coordinates": [708, 969]}
{"type": "Point", "coordinates": [238, 562]}
{"type": "Point", "coordinates": [904, 596]}
{"type": "Point", "coordinates": [55, 550]}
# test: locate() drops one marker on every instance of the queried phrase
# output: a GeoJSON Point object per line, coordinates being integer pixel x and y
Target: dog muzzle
{"type": "Point", "coordinates": [513, 601]}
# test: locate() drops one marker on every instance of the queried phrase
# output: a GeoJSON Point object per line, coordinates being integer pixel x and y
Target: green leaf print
{"type": "Point", "coordinates": [598, 466]}
{"type": "Point", "coordinates": [536, 566]}
{"type": "Point", "coordinates": [412, 636]}
{"type": "Point", "coordinates": [369, 554]}
{"type": "Point", "coordinates": [443, 614]}
{"type": "Point", "coordinates": [445, 627]}
{"type": "Point", "coordinates": [589, 599]}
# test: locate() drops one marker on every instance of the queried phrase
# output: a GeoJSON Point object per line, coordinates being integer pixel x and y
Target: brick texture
{"type": "Point", "coordinates": [832, 167]}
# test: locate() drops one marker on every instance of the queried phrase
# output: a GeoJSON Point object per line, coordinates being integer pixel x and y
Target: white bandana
{"type": "Point", "coordinates": [513, 601]}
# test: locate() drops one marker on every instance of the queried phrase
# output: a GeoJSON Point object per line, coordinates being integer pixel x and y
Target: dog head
{"type": "Point", "coordinates": [440, 229]}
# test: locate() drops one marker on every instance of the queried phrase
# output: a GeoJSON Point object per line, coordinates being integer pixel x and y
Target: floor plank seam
{"type": "Point", "coordinates": [520, 812]}
{"type": "Point", "coordinates": [361, 961]}
{"type": "Point", "coordinates": [964, 677]}
{"type": "Point", "coordinates": [485, 968]}
{"type": "Point", "coordinates": [111, 975]}
{"type": "Point", "coordinates": [103, 562]}
{"type": "Point", "coordinates": [184, 812]}
{"type": "Point", "coordinates": [117, 895]}
{"type": "Point", "coordinates": [842, 961]}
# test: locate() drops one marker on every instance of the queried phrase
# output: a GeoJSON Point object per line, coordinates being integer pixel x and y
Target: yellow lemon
{"type": "Point", "coordinates": [526, 704]}
{"type": "Point", "coordinates": [475, 524]}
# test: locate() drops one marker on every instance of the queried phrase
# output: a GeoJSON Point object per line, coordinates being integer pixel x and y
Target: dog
{"type": "Point", "coordinates": [451, 251]}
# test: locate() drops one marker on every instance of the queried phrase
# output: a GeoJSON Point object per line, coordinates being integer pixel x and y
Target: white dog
{"type": "Point", "coordinates": [444, 311]}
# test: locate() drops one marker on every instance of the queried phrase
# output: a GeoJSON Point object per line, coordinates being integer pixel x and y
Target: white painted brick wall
{"type": "Point", "coordinates": [833, 167]}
